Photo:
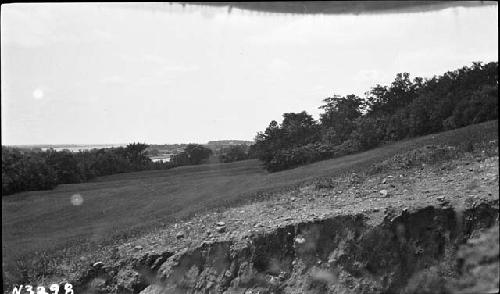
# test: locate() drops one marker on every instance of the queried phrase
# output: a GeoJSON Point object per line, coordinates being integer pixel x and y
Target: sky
{"type": "Point", "coordinates": [79, 73]}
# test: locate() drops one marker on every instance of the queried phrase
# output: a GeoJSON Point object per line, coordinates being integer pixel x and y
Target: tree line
{"type": "Point", "coordinates": [24, 170]}
{"type": "Point", "coordinates": [404, 109]}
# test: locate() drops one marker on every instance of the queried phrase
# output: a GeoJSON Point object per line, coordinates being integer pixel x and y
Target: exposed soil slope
{"type": "Point", "coordinates": [361, 233]}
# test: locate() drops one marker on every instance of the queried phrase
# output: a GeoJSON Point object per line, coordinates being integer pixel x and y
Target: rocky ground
{"type": "Point", "coordinates": [397, 227]}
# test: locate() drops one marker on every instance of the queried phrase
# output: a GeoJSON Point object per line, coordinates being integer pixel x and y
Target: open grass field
{"type": "Point", "coordinates": [137, 202]}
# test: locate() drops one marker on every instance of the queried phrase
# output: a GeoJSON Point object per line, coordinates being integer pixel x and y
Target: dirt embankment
{"type": "Point", "coordinates": [412, 224]}
{"type": "Point", "coordinates": [342, 254]}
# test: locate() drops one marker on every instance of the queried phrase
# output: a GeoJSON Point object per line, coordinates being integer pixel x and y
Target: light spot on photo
{"type": "Point", "coordinates": [76, 199]}
{"type": "Point", "coordinates": [38, 94]}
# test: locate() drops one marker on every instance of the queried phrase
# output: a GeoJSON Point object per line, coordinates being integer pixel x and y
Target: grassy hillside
{"type": "Point", "coordinates": [124, 203]}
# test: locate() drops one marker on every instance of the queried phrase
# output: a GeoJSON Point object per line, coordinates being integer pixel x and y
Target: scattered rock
{"type": "Point", "coordinates": [220, 227]}
{"type": "Point", "coordinates": [129, 281]}
{"type": "Point", "coordinates": [98, 265]}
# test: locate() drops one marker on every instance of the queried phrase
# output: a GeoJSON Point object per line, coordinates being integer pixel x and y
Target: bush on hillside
{"type": "Point", "coordinates": [234, 153]}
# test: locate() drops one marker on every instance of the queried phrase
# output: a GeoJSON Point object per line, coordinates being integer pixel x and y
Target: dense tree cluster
{"type": "Point", "coordinates": [234, 153]}
{"type": "Point", "coordinates": [407, 108]}
{"type": "Point", "coordinates": [192, 154]}
{"type": "Point", "coordinates": [32, 170]}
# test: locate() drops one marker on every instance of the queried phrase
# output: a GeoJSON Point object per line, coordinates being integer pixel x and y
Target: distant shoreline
{"type": "Point", "coordinates": [91, 146]}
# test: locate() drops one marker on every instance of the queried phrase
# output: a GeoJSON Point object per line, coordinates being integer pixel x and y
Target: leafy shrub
{"type": "Point", "coordinates": [192, 154]}
{"type": "Point", "coordinates": [234, 153]}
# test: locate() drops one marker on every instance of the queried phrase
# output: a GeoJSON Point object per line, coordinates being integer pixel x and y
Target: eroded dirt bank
{"type": "Point", "coordinates": [342, 254]}
{"type": "Point", "coordinates": [398, 229]}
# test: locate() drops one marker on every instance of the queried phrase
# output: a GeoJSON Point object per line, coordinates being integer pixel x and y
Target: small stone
{"type": "Point", "coordinates": [300, 240]}
{"type": "Point", "coordinates": [292, 199]}
{"type": "Point", "coordinates": [383, 192]}
{"type": "Point", "coordinates": [441, 198]}
{"type": "Point", "coordinates": [221, 229]}
{"type": "Point", "coordinates": [98, 264]}
{"type": "Point", "coordinates": [138, 247]}
{"type": "Point", "coordinates": [384, 181]}
{"type": "Point", "coordinates": [180, 235]}
{"type": "Point", "coordinates": [207, 242]}
{"type": "Point", "coordinates": [221, 224]}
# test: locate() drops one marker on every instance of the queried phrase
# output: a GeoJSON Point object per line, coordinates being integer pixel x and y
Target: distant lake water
{"type": "Point", "coordinates": [165, 158]}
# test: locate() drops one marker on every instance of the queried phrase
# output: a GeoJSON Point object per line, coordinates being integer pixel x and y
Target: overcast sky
{"type": "Point", "coordinates": [161, 73]}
